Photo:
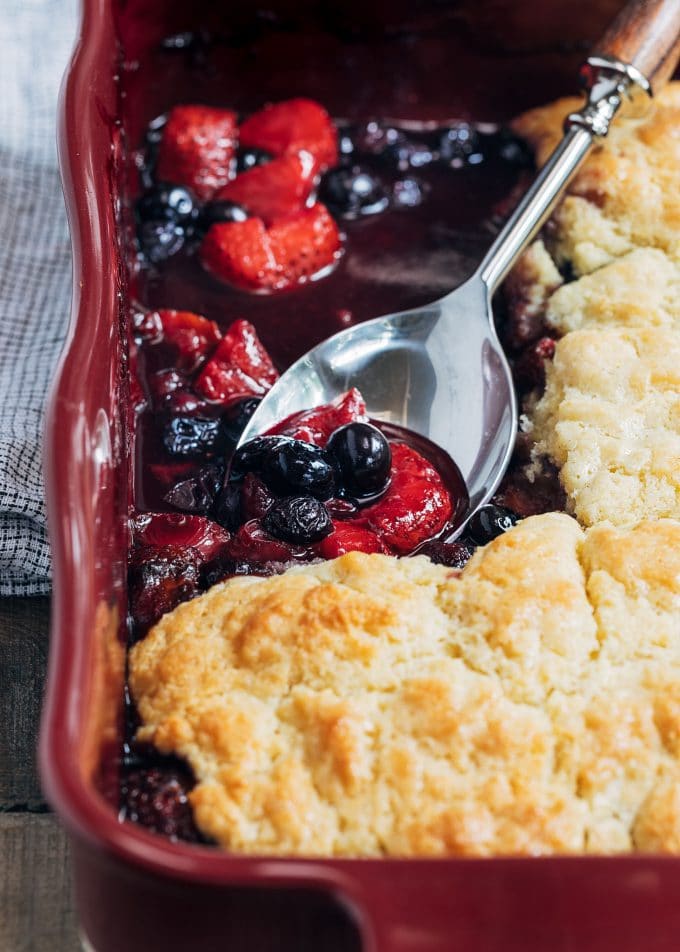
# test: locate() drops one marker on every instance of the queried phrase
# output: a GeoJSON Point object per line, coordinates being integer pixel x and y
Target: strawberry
{"type": "Point", "coordinates": [240, 253]}
{"type": "Point", "coordinates": [290, 252]}
{"type": "Point", "coordinates": [197, 148]}
{"type": "Point", "coordinates": [293, 126]}
{"type": "Point", "coordinates": [275, 190]}
{"type": "Point", "coordinates": [198, 534]}
{"type": "Point", "coordinates": [347, 537]}
{"type": "Point", "coordinates": [415, 507]}
{"type": "Point", "coordinates": [305, 244]}
{"type": "Point", "coordinates": [240, 367]}
{"type": "Point", "coordinates": [253, 543]}
{"type": "Point", "coordinates": [188, 336]}
{"type": "Point", "coordinates": [315, 426]}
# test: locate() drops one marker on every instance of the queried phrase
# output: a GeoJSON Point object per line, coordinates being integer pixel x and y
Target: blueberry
{"type": "Point", "coordinates": [298, 467]}
{"type": "Point", "coordinates": [167, 202]}
{"type": "Point", "coordinates": [353, 192]}
{"type": "Point", "coordinates": [239, 415]}
{"type": "Point", "coordinates": [249, 458]}
{"type": "Point", "coordinates": [411, 154]}
{"type": "Point", "coordinates": [460, 146]}
{"type": "Point", "coordinates": [159, 240]}
{"type": "Point", "coordinates": [408, 192]}
{"type": "Point", "coordinates": [249, 158]}
{"type": "Point", "coordinates": [300, 520]}
{"type": "Point", "coordinates": [373, 138]}
{"type": "Point", "coordinates": [363, 457]}
{"type": "Point", "coordinates": [216, 213]}
{"type": "Point", "coordinates": [197, 493]}
{"type": "Point", "coordinates": [193, 436]}
{"type": "Point", "coordinates": [452, 554]}
{"type": "Point", "coordinates": [489, 522]}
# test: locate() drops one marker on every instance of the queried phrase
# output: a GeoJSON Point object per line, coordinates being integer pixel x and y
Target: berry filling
{"type": "Point", "coordinates": [259, 206]}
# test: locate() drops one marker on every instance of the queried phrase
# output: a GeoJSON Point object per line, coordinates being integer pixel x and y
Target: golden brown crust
{"type": "Point", "coordinates": [374, 706]}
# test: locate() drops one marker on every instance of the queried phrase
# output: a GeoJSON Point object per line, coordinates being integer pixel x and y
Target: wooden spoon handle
{"type": "Point", "coordinates": [646, 34]}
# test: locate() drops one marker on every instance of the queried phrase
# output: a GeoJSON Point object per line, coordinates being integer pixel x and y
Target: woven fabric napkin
{"type": "Point", "coordinates": [36, 37]}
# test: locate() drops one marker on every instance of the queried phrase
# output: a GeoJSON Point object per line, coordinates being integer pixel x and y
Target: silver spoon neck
{"type": "Point", "coordinates": [608, 83]}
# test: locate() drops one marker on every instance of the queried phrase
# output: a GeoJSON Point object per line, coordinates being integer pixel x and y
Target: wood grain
{"type": "Point", "coordinates": [646, 34]}
{"type": "Point", "coordinates": [23, 659]}
{"type": "Point", "coordinates": [36, 907]}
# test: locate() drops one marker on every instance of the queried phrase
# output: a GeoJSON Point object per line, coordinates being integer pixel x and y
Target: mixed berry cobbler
{"type": "Point", "coordinates": [313, 668]}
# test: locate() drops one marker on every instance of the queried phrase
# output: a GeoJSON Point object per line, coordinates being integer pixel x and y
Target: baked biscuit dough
{"type": "Point", "coordinates": [610, 421]}
{"type": "Point", "coordinates": [626, 196]}
{"type": "Point", "coordinates": [371, 706]}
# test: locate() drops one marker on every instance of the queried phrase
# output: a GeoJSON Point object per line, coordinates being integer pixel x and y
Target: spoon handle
{"type": "Point", "coordinates": [641, 47]}
{"type": "Point", "coordinates": [646, 34]}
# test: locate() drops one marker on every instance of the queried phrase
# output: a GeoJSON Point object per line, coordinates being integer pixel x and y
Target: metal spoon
{"type": "Point", "coordinates": [439, 370]}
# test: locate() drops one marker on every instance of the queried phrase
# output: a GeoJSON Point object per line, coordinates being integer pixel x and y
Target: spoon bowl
{"type": "Point", "coordinates": [438, 371]}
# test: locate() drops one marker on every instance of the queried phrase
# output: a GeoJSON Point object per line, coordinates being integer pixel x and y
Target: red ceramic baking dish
{"type": "Point", "coordinates": [138, 891]}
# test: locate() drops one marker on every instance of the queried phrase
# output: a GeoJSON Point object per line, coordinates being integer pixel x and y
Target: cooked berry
{"type": "Point", "coordinates": [161, 578]}
{"type": "Point", "coordinates": [256, 543]}
{"type": "Point", "coordinates": [412, 154]}
{"type": "Point", "coordinates": [222, 569]}
{"type": "Point", "coordinates": [490, 521]}
{"type": "Point", "coordinates": [452, 554]}
{"type": "Point", "coordinates": [249, 457]}
{"type": "Point", "coordinates": [298, 519]}
{"type": "Point", "coordinates": [529, 367]}
{"type": "Point", "coordinates": [297, 467]}
{"type": "Point", "coordinates": [159, 240]}
{"type": "Point", "coordinates": [373, 138]}
{"type": "Point", "coordinates": [196, 533]}
{"type": "Point", "coordinates": [512, 149]}
{"type": "Point", "coordinates": [249, 158]}
{"type": "Point", "coordinates": [363, 457]}
{"type": "Point", "coordinates": [239, 367]}
{"type": "Point", "coordinates": [238, 417]}
{"type": "Point", "coordinates": [353, 192]}
{"type": "Point", "coordinates": [220, 210]}
{"type": "Point", "coordinates": [193, 436]}
{"type": "Point", "coordinates": [197, 493]}
{"type": "Point", "coordinates": [292, 127]}
{"type": "Point", "coordinates": [228, 507]}
{"type": "Point", "coordinates": [316, 425]}
{"type": "Point", "coordinates": [408, 192]}
{"type": "Point", "coordinates": [166, 202]}
{"type": "Point", "coordinates": [256, 499]}
{"type": "Point", "coordinates": [460, 145]}
{"type": "Point", "coordinates": [156, 798]}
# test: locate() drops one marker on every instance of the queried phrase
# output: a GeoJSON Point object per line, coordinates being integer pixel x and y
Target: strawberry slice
{"type": "Point", "coordinates": [253, 543]}
{"type": "Point", "coordinates": [189, 337]}
{"type": "Point", "coordinates": [275, 190]}
{"type": "Point", "coordinates": [315, 426]}
{"type": "Point", "coordinates": [347, 537]}
{"type": "Point", "coordinates": [305, 244]}
{"type": "Point", "coordinates": [158, 529]}
{"type": "Point", "coordinates": [290, 252]}
{"type": "Point", "coordinates": [293, 126]}
{"type": "Point", "coordinates": [197, 148]}
{"type": "Point", "coordinates": [240, 253]}
{"type": "Point", "coordinates": [415, 507]}
{"type": "Point", "coordinates": [240, 367]}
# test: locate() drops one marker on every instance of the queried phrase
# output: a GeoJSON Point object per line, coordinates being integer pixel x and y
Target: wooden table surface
{"type": "Point", "coordinates": [36, 907]}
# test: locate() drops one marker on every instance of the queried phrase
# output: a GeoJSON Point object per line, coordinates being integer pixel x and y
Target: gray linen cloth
{"type": "Point", "coordinates": [36, 37]}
